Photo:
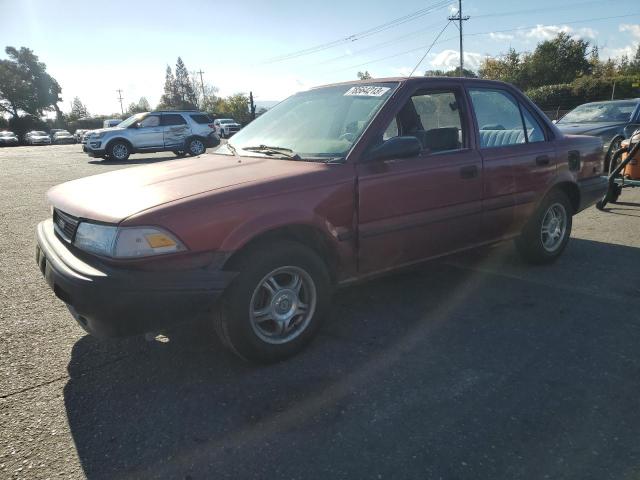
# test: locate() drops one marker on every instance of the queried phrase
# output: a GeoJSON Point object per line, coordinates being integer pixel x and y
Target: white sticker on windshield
{"type": "Point", "coordinates": [366, 91]}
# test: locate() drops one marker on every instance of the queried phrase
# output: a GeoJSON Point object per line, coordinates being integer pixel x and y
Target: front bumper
{"type": "Point", "coordinates": [114, 301]}
{"type": "Point", "coordinates": [591, 191]}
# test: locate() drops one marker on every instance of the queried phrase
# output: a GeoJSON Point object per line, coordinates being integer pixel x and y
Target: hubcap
{"type": "Point", "coordinates": [282, 305]}
{"type": "Point", "coordinates": [197, 147]}
{"type": "Point", "coordinates": [554, 227]}
{"type": "Point", "coordinates": [119, 151]}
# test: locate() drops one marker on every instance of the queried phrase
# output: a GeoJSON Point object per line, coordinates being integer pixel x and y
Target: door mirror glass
{"type": "Point", "coordinates": [396, 147]}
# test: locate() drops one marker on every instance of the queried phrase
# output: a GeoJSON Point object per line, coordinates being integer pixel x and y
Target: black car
{"type": "Point", "coordinates": [612, 121]}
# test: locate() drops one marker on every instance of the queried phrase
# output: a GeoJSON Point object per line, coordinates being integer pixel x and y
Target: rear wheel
{"type": "Point", "coordinates": [195, 146]}
{"type": "Point", "coordinates": [545, 236]}
{"type": "Point", "coordinates": [275, 305]}
{"type": "Point", "coordinates": [119, 151]}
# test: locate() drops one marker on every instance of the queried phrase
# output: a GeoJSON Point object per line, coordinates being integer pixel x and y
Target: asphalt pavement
{"type": "Point", "coordinates": [472, 367]}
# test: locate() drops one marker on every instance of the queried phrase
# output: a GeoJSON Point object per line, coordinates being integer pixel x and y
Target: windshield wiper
{"type": "Point", "coordinates": [285, 152]}
{"type": "Point", "coordinates": [232, 149]}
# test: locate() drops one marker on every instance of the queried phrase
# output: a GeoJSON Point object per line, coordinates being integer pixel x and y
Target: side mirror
{"type": "Point", "coordinates": [396, 147]}
{"type": "Point", "coordinates": [135, 125]}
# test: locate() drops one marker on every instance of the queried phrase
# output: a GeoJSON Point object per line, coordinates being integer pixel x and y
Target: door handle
{"type": "Point", "coordinates": [470, 171]}
{"type": "Point", "coordinates": [543, 160]}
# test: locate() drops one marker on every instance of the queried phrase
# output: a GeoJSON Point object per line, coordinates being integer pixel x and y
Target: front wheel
{"type": "Point", "coordinates": [545, 236]}
{"type": "Point", "coordinates": [119, 151]}
{"type": "Point", "coordinates": [195, 146]}
{"type": "Point", "coordinates": [275, 305]}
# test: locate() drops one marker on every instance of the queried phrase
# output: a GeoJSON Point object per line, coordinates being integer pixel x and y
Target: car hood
{"type": "Point", "coordinates": [114, 196]}
{"type": "Point", "coordinates": [103, 130]}
{"type": "Point", "coordinates": [589, 128]}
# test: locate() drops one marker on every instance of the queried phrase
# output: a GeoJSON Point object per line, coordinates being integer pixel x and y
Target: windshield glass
{"type": "Point", "coordinates": [131, 120]}
{"type": "Point", "coordinates": [227, 121]}
{"type": "Point", "coordinates": [601, 113]}
{"type": "Point", "coordinates": [39, 133]}
{"type": "Point", "coordinates": [323, 122]}
{"type": "Point", "coordinates": [6, 134]}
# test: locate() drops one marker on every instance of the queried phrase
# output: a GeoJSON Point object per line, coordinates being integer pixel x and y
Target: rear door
{"type": "Point", "coordinates": [519, 159]}
{"type": "Point", "coordinates": [175, 129]}
{"type": "Point", "coordinates": [414, 208]}
{"type": "Point", "coordinates": [149, 134]}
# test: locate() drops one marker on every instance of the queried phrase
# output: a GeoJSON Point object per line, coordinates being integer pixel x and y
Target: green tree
{"type": "Point", "coordinates": [25, 85]}
{"type": "Point", "coordinates": [169, 98]}
{"type": "Point", "coordinates": [508, 68]}
{"type": "Point", "coordinates": [560, 60]}
{"type": "Point", "coordinates": [450, 73]}
{"type": "Point", "coordinates": [235, 106]}
{"type": "Point", "coordinates": [187, 97]}
{"type": "Point", "coordinates": [140, 107]}
{"type": "Point", "coordinates": [78, 110]}
{"type": "Point", "coordinates": [364, 75]}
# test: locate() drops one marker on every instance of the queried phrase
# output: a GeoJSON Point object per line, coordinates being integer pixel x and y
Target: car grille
{"type": "Point", "coordinates": [65, 224]}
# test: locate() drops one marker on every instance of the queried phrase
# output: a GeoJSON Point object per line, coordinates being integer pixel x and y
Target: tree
{"type": "Point", "coordinates": [364, 75]}
{"type": "Point", "coordinates": [140, 107]}
{"type": "Point", "coordinates": [25, 85]}
{"type": "Point", "coordinates": [451, 73]}
{"type": "Point", "coordinates": [560, 60]}
{"type": "Point", "coordinates": [508, 68]}
{"type": "Point", "coordinates": [169, 98]}
{"type": "Point", "coordinates": [184, 87]}
{"type": "Point", "coordinates": [78, 110]}
{"type": "Point", "coordinates": [235, 106]}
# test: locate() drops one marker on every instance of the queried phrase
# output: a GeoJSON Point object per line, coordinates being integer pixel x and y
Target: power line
{"type": "Point", "coordinates": [477, 34]}
{"type": "Point", "coordinates": [430, 47]}
{"type": "Point", "coordinates": [363, 34]}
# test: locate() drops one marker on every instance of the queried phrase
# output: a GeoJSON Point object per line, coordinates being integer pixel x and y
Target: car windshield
{"type": "Point", "coordinates": [601, 113]}
{"type": "Point", "coordinates": [40, 133]}
{"type": "Point", "coordinates": [322, 122]}
{"type": "Point", "coordinates": [6, 134]}
{"type": "Point", "coordinates": [131, 120]}
{"type": "Point", "coordinates": [227, 121]}
{"type": "Point", "coordinates": [62, 132]}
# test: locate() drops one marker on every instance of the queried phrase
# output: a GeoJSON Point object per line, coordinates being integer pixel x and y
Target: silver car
{"type": "Point", "coordinates": [37, 137]}
{"type": "Point", "coordinates": [8, 138]}
{"type": "Point", "coordinates": [63, 136]}
{"type": "Point", "coordinates": [181, 132]}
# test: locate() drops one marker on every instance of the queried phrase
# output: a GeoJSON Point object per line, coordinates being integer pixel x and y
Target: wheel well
{"type": "Point", "coordinates": [572, 191]}
{"type": "Point", "coordinates": [123, 140]}
{"type": "Point", "coordinates": [308, 236]}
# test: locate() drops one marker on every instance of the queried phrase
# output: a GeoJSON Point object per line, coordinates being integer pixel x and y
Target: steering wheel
{"type": "Point", "coordinates": [348, 136]}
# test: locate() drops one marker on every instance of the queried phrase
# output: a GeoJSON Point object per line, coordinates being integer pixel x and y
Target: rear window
{"type": "Point", "coordinates": [201, 118]}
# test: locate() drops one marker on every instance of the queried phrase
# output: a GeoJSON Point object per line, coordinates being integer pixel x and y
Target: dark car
{"type": "Point", "coordinates": [62, 137]}
{"type": "Point", "coordinates": [611, 121]}
{"type": "Point", "coordinates": [331, 186]}
{"type": "Point", "coordinates": [8, 139]}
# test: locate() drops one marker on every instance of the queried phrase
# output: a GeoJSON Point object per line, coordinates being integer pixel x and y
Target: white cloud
{"type": "Point", "coordinates": [453, 9]}
{"type": "Point", "coordinates": [547, 32]}
{"type": "Point", "coordinates": [634, 29]}
{"type": "Point", "coordinates": [500, 36]}
{"type": "Point", "coordinates": [450, 59]}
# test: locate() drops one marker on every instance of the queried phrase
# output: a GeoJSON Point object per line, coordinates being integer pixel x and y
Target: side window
{"type": "Point", "coordinates": [150, 121]}
{"type": "Point", "coordinates": [535, 133]}
{"type": "Point", "coordinates": [498, 116]}
{"type": "Point", "coordinates": [434, 118]}
{"type": "Point", "coordinates": [172, 119]}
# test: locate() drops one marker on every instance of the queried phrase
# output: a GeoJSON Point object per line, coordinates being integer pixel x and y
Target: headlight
{"type": "Point", "coordinates": [131, 242]}
{"type": "Point", "coordinates": [97, 135]}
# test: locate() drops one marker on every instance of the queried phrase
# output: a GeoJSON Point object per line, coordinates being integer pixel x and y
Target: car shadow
{"type": "Point", "coordinates": [402, 361]}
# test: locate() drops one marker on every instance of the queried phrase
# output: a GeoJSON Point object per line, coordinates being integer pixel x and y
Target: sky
{"type": "Point", "coordinates": [278, 47]}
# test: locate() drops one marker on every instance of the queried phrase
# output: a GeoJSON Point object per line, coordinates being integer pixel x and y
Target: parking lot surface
{"type": "Point", "coordinates": [474, 366]}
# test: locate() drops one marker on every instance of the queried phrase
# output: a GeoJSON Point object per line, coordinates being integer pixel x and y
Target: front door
{"type": "Point", "coordinates": [414, 208]}
{"type": "Point", "coordinates": [149, 134]}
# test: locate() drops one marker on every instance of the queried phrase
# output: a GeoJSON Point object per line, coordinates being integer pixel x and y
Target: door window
{"type": "Point", "coordinates": [173, 119]}
{"type": "Point", "coordinates": [534, 130]}
{"type": "Point", "coordinates": [434, 118]}
{"type": "Point", "coordinates": [499, 118]}
{"type": "Point", "coordinates": [150, 121]}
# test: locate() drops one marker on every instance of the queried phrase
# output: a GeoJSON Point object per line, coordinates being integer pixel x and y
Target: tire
{"type": "Point", "coordinates": [262, 338]}
{"type": "Point", "coordinates": [615, 194]}
{"type": "Point", "coordinates": [555, 213]}
{"type": "Point", "coordinates": [119, 151]}
{"type": "Point", "coordinates": [613, 147]}
{"type": "Point", "coordinates": [195, 146]}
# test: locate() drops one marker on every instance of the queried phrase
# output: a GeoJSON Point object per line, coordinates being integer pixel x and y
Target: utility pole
{"type": "Point", "coordinates": [201, 82]}
{"type": "Point", "coordinates": [120, 98]}
{"type": "Point", "coordinates": [459, 18]}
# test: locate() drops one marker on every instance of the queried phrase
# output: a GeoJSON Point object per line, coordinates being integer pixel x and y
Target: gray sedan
{"type": "Point", "coordinates": [612, 121]}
